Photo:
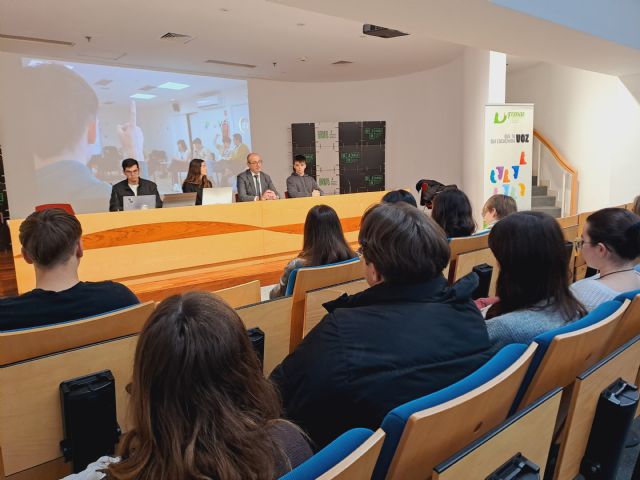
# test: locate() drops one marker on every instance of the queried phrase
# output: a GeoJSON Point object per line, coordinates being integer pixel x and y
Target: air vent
{"type": "Point", "coordinates": [146, 88]}
{"type": "Point", "coordinates": [342, 62]}
{"type": "Point", "coordinates": [38, 40]}
{"type": "Point", "coordinates": [230, 64]}
{"type": "Point", "coordinates": [382, 32]}
{"type": "Point", "coordinates": [176, 37]}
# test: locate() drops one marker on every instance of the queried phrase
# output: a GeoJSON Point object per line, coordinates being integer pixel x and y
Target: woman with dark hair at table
{"type": "Point", "coordinates": [196, 179]}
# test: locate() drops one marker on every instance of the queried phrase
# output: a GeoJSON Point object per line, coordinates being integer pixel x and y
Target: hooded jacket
{"type": "Point", "coordinates": [378, 349]}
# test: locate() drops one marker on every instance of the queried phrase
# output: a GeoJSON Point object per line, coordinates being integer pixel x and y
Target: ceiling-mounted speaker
{"type": "Point", "coordinates": [176, 107]}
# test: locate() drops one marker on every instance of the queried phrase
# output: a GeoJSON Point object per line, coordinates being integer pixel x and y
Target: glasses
{"type": "Point", "coordinates": [259, 162]}
{"type": "Point", "coordinates": [132, 173]}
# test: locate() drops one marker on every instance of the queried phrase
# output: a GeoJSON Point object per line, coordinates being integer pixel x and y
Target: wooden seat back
{"type": "Point", "coordinates": [530, 432]}
{"type": "Point", "coordinates": [432, 435]}
{"type": "Point", "coordinates": [360, 463]}
{"type": "Point", "coordinates": [580, 264]}
{"type": "Point", "coordinates": [571, 353]}
{"type": "Point", "coordinates": [628, 326]}
{"type": "Point", "coordinates": [622, 363]}
{"type": "Point", "coordinates": [462, 245]}
{"type": "Point", "coordinates": [30, 413]}
{"type": "Point", "coordinates": [241, 295]}
{"type": "Point", "coordinates": [314, 311]}
{"type": "Point", "coordinates": [19, 345]}
{"type": "Point", "coordinates": [273, 318]}
{"type": "Point", "coordinates": [308, 279]}
{"type": "Point", "coordinates": [466, 261]}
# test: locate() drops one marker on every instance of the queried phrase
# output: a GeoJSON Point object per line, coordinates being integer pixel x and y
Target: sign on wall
{"type": "Point", "coordinates": [344, 157]}
{"type": "Point", "coordinates": [508, 147]}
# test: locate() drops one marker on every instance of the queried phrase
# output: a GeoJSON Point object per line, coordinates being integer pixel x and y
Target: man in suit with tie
{"type": "Point", "coordinates": [254, 184]}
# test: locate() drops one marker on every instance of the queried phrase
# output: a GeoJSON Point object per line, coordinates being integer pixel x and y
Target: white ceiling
{"type": "Point", "coordinates": [250, 32]}
{"type": "Point", "coordinates": [262, 32]}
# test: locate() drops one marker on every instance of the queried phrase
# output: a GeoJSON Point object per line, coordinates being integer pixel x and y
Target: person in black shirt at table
{"type": "Point", "coordinates": [196, 179]}
{"type": "Point", "coordinates": [51, 242]}
{"type": "Point", "coordinates": [133, 185]}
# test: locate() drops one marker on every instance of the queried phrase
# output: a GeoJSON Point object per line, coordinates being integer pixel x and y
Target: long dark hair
{"type": "Point", "coordinates": [200, 406]}
{"type": "Point", "coordinates": [193, 175]}
{"type": "Point", "coordinates": [534, 265]}
{"type": "Point", "coordinates": [452, 211]}
{"type": "Point", "coordinates": [616, 228]}
{"type": "Point", "coordinates": [324, 241]}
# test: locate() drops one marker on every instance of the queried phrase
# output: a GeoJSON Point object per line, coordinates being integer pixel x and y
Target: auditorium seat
{"type": "Point", "coordinates": [528, 433]}
{"type": "Point", "coordinates": [622, 363]}
{"type": "Point", "coordinates": [241, 295]}
{"type": "Point", "coordinates": [351, 456]}
{"type": "Point", "coordinates": [314, 310]}
{"type": "Point", "coordinates": [629, 325]}
{"type": "Point", "coordinates": [462, 245]}
{"type": "Point", "coordinates": [310, 278]}
{"type": "Point", "coordinates": [423, 432]}
{"type": "Point", "coordinates": [566, 351]}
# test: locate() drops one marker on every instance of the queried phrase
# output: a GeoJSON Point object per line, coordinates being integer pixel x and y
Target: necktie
{"type": "Point", "coordinates": [256, 178]}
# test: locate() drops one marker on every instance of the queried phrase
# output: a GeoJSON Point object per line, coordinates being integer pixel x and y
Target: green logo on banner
{"type": "Point", "coordinates": [496, 119]}
{"type": "Point", "coordinates": [322, 134]}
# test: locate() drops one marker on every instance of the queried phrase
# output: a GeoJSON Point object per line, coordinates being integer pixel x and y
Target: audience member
{"type": "Point", "coordinates": [133, 185]}
{"type": "Point", "coordinates": [254, 184]}
{"type": "Point", "coordinates": [452, 211]}
{"type": "Point", "coordinates": [395, 196]}
{"type": "Point", "coordinates": [196, 179]}
{"type": "Point", "coordinates": [200, 406]}
{"type": "Point", "coordinates": [636, 206]}
{"type": "Point", "coordinates": [323, 244]}
{"type": "Point", "coordinates": [533, 283]}
{"type": "Point", "coordinates": [299, 184]}
{"type": "Point", "coordinates": [496, 208]}
{"type": "Point", "coordinates": [609, 243]}
{"type": "Point", "coordinates": [407, 335]}
{"type": "Point", "coordinates": [51, 242]}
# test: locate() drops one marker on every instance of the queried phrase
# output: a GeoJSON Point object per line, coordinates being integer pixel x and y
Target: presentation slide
{"type": "Point", "coordinates": [66, 127]}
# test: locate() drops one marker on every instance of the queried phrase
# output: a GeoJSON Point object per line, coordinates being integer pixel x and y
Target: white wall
{"type": "Point", "coordinates": [422, 111]}
{"type": "Point", "coordinates": [594, 122]}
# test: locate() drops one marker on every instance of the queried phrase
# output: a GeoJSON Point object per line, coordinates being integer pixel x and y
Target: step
{"type": "Point", "coordinates": [539, 190]}
{"type": "Point", "coordinates": [543, 201]}
{"type": "Point", "coordinates": [555, 212]}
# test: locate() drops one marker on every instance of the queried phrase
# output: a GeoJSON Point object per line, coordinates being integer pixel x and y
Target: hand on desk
{"type": "Point", "coordinates": [315, 193]}
{"type": "Point", "coordinates": [269, 195]}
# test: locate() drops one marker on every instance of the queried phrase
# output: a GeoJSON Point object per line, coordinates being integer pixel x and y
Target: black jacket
{"type": "Point", "coordinates": [122, 189]}
{"type": "Point", "coordinates": [378, 349]}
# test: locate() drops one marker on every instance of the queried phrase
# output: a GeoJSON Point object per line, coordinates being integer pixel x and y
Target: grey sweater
{"type": "Point", "coordinates": [301, 186]}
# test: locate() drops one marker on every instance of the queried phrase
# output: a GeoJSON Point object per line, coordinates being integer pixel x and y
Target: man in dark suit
{"type": "Point", "coordinates": [254, 184]}
{"type": "Point", "coordinates": [132, 186]}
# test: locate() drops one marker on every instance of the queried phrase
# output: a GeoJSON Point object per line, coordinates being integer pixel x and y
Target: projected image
{"type": "Point", "coordinates": [90, 117]}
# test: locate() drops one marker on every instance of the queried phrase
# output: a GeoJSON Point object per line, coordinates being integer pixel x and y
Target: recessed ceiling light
{"type": "Point", "coordinates": [174, 85]}
{"type": "Point", "coordinates": [224, 10]}
{"type": "Point", "coordinates": [142, 96]}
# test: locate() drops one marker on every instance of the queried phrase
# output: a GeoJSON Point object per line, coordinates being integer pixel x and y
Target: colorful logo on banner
{"type": "Point", "coordinates": [507, 183]}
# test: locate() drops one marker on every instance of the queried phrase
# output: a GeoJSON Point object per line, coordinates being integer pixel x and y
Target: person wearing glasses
{"type": "Point", "coordinates": [610, 243]}
{"type": "Point", "coordinates": [133, 185]}
{"type": "Point", "coordinates": [254, 184]}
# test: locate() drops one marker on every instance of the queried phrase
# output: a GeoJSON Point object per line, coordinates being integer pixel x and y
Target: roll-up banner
{"type": "Point", "coordinates": [508, 146]}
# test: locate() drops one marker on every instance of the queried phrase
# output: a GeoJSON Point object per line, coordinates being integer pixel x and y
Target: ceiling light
{"type": "Point", "coordinates": [174, 86]}
{"type": "Point", "coordinates": [300, 24]}
{"type": "Point", "coordinates": [230, 64]}
{"type": "Point", "coordinates": [142, 96]}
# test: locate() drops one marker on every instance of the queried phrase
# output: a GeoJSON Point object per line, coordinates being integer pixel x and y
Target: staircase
{"type": "Point", "coordinates": [543, 200]}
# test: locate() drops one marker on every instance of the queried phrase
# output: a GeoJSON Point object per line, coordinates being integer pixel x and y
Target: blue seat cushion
{"type": "Point", "coordinates": [330, 455]}
{"type": "Point", "coordinates": [630, 295]}
{"type": "Point", "coordinates": [294, 273]}
{"type": "Point", "coordinates": [394, 422]}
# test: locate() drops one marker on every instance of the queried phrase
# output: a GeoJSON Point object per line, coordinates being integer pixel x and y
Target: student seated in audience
{"type": "Point", "coordinates": [452, 211]}
{"type": "Point", "coordinates": [51, 242]}
{"type": "Point", "coordinates": [323, 244]}
{"type": "Point", "coordinates": [196, 179]}
{"type": "Point", "coordinates": [496, 208]}
{"type": "Point", "coordinates": [200, 406]}
{"type": "Point", "coordinates": [636, 206]}
{"type": "Point", "coordinates": [407, 335]}
{"type": "Point", "coordinates": [609, 243]}
{"type": "Point", "coordinates": [533, 283]}
{"type": "Point", "coordinates": [395, 196]}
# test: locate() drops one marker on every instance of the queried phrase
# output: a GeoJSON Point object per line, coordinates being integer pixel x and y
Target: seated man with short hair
{"type": "Point", "coordinates": [133, 185]}
{"type": "Point", "coordinates": [254, 184]}
{"type": "Point", "coordinates": [406, 336]}
{"type": "Point", "coordinates": [299, 184]}
{"type": "Point", "coordinates": [51, 242]}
